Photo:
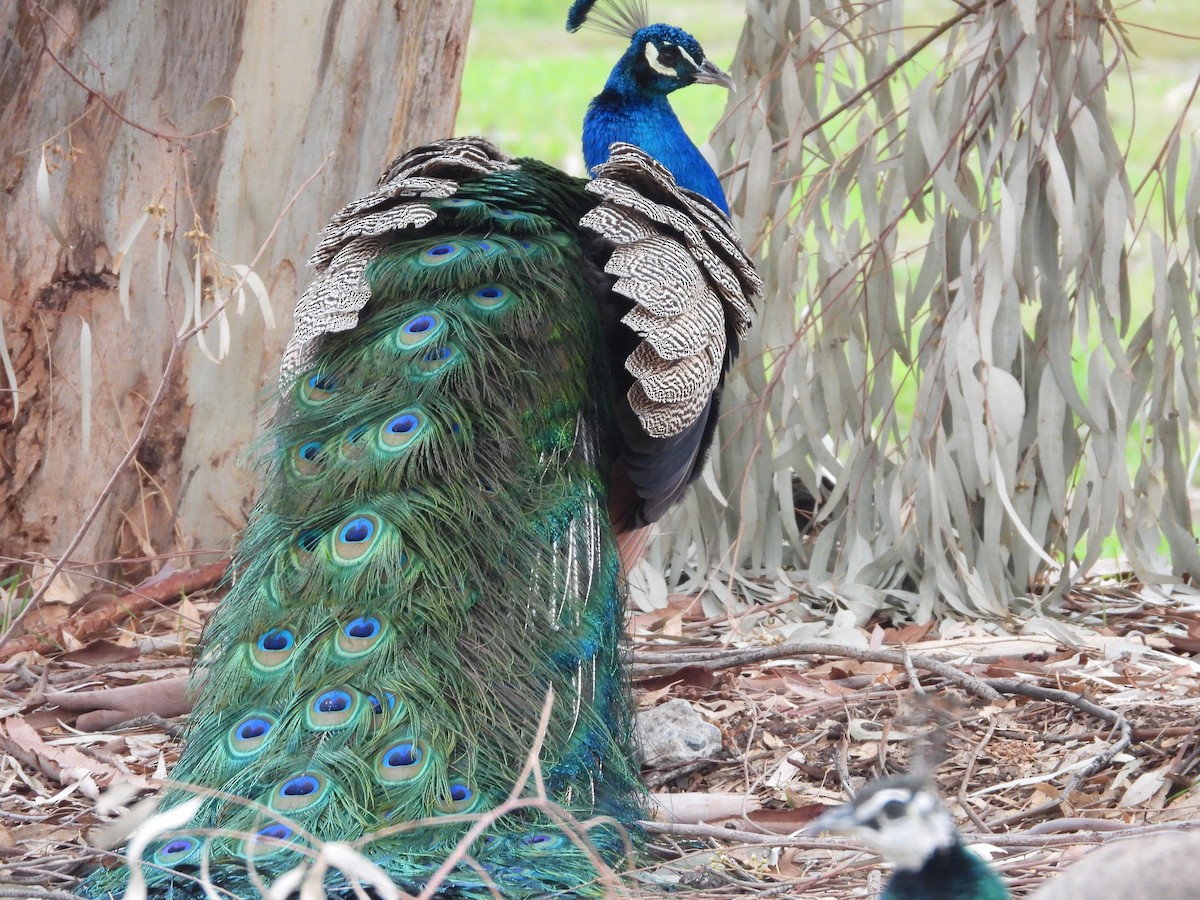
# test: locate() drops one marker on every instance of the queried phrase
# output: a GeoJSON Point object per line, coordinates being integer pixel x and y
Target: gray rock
{"type": "Point", "coordinates": [673, 734]}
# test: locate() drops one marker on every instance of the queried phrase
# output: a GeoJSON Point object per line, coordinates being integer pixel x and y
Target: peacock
{"type": "Point", "coordinates": [499, 372]}
{"type": "Point", "coordinates": [903, 820]}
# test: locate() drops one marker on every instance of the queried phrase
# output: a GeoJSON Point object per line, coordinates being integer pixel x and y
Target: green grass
{"type": "Point", "coordinates": [13, 598]}
{"type": "Point", "coordinates": [528, 81]}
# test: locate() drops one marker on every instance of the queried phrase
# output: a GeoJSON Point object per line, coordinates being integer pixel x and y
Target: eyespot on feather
{"type": "Point", "coordinates": [332, 708]}
{"type": "Point", "coordinates": [308, 540]}
{"type": "Point", "coordinates": [300, 792]}
{"type": "Point", "coordinates": [460, 800]}
{"type": "Point", "coordinates": [490, 297]}
{"type": "Point", "coordinates": [316, 389]}
{"type": "Point", "coordinates": [436, 360]}
{"type": "Point", "coordinates": [268, 840]}
{"type": "Point", "coordinates": [177, 850]}
{"type": "Point", "coordinates": [360, 636]}
{"type": "Point", "coordinates": [377, 707]}
{"type": "Point", "coordinates": [401, 430]}
{"type": "Point", "coordinates": [273, 649]}
{"type": "Point", "coordinates": [402, 762]}
{"type": "Point", "coordinates": [304, 458]}
{"type": "Point", "coordinates": [250, 735]}
{"type": "Point", "coordinates": [355, 538]}
{"type": "Point", "coordinates": [418, 331]}
{"type": "Point", "coordinates": [441, 253]}
{"type": "Point", "coordinates": [541, 842]}
{"type": "Point", "coordinates": [353, 447]}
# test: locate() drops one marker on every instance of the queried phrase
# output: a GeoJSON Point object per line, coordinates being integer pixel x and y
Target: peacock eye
{"type": "Point", "coordinates": [893, 809]}
{"type": "Point", "coordinates": [669, 55]}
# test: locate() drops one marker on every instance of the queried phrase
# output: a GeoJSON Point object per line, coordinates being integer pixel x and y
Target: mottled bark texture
{"type": "Point", "coordinates": [127, 101]}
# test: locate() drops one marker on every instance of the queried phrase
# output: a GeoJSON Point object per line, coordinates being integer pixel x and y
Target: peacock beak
{"type": "Point", "coordinates": [710, 74]}
{"type": "Point", "coordinates": [837, 819]}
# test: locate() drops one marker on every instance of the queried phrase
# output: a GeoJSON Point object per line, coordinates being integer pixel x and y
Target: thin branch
{"type": "Point", "coordinates": [40, 13]}
{"type": "Point", "coordinates": [646, 664]}
{"type": "Point", "coordinates": [875, 82]}
{"type": "Point", "coordinates": [122, 607]}
{"type": "Point", "coordinates": [109, 488]}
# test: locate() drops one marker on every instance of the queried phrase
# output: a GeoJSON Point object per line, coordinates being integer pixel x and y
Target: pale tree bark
{"type": "Point", "coordinates": [127, 101]}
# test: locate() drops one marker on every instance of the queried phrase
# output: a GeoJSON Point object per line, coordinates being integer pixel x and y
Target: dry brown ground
{"type": "Point", "coordinates": [1046, 736]}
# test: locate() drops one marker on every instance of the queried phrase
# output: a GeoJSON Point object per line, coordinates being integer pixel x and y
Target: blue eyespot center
{"type": "Point", "coordinates": [310, 450]}
{"type": "Point", "coordinates": [377, 706]}
{"type": "Point", "coordinates": [277, 831]}
{"type": "Point", "coordinates": [406, 754]}
{"type": "Point", "coordinates": [300, 786]}
{"type": "Point", "coordinates": [420, 324]}
{"type": "Point", "coordinates": [459, 792]}
{"type": "Point", "coordinates": [441, 250]}
{"type": "Point", "coordinates": [308, 540]}
{"type": "Point", "coordinates": [489, 293]}
{"type": "Point", "coordinates": [357, 530]}
{"type": "Point", "coordinates": [275, 640]}
{"type": "Point", "coordinates": [178, 846]}
{"type": "Point", "coordinates": [322, 383]}
{"type": "Point", "coordinates": [363, 627]}
{"type": "Point", "coordinates": [252, 728]}
{"type": "Point", "coordinates": [437, 354]}
{"type": "Point", "coordinates": [402, 424]}
{"type": "Point", "coordinates": [332, 702]}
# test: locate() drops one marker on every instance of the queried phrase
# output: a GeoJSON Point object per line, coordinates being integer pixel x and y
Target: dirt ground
{"type": "Point", "coordinates": [1047, 737]}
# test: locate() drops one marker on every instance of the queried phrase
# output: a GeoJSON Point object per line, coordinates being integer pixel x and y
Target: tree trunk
{"type": "Point", "coordinates": [317, 98]}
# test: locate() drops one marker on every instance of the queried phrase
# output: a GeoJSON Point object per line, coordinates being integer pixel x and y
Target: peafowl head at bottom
{"type": "Point", "coordinates": [904, 820]}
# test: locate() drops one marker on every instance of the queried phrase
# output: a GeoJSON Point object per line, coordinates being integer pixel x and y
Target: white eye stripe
{"type": "Point", "coordinates": [652, 59]}
{"type": "Point", "coordinates": [874, 804]}
{"type": "Point", "coordinates": [688, 57]}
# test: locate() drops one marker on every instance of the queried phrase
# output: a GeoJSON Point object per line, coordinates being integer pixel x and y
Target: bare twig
{"type": "Point", "coordinates": [966, 779]}
{"type": "Point", "coordinates": [1054, 695]}
{"type": "Point", "coordinates": [90, 518]}
{"type": "Point", "coordinates": [100, 95]}
{"type": "Point", "coordinates": [122, 607]}
{"type": "Point", "coordinates": [1007, 841]}
{"type": "Point", "coordinates": [665, 663]}
{"type": "Point", "coordinates": [852, 101]}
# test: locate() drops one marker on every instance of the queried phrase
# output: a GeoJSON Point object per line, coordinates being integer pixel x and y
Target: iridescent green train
{"type": "Point", "coordinates": [499, 374]}
{"type": "Point", "coordinates": [370, 665]}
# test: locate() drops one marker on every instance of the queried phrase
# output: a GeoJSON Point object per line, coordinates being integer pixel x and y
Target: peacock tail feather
{"type": "Point", "coordinates": [430, 557]}
{"type": "Point", "coordinates": [499, 374]}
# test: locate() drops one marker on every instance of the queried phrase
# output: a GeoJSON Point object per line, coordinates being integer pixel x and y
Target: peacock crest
{"type": "Point", "coordinates": [623, 18]}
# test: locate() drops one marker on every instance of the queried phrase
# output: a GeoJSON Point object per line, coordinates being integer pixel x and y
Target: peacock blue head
{"type": "Point", "coordinates": [662, 59]}
{"type": "Point", "coordinates": [633, 106]}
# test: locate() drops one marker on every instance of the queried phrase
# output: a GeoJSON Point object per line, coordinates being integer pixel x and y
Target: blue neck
{"type": "Point", "coordinates": [647, 121]}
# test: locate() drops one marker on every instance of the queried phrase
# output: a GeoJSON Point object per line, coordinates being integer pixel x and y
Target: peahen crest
{"type": "Point", "coordinates": [496, 370]}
